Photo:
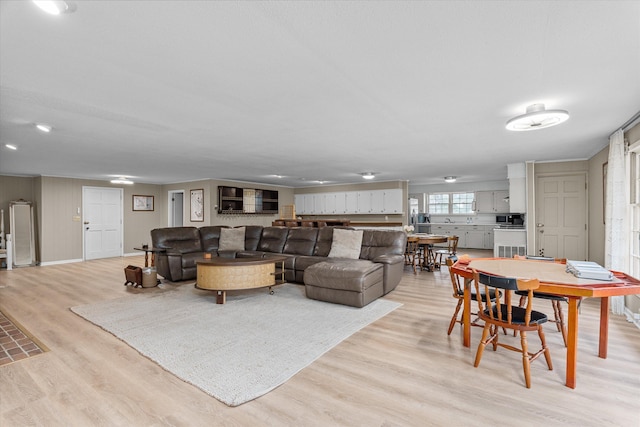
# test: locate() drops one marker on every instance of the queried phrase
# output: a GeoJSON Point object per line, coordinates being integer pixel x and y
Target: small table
{"type": "Point", "coordinates": [228, 274]}
{"type": "Point", "coordinates": [153, 251]}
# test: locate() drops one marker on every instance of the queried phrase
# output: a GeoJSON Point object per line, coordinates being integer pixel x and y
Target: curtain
{"type": "Point", "coordinates": [616, 222]}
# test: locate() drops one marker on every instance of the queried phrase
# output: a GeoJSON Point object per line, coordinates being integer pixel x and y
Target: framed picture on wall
{"type": "Point", "coordinates": [142, 203]}
{"type": "Point", "coordinates": [197, 205]}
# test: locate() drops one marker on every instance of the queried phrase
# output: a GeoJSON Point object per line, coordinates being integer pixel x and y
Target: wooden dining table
{"type": "Point", "coordinates": [554, 279]}
{"type": "Point", "coordinates": [427, 241]}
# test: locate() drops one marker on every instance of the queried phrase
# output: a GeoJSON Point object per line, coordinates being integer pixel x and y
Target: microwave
{"type": "Point", "coordinates": [501, 219]}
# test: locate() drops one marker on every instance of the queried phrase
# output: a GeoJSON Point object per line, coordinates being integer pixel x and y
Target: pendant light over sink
{"type": "Point", "coordinates": [537, 117]}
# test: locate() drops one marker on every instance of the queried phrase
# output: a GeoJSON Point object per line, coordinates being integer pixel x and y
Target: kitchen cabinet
{"type": "Point", "coordinates": [492, 201]}
{"type": "Point", "coordinates": [350, 202]}
{"type": "Point", "coordinates": [488, 237]}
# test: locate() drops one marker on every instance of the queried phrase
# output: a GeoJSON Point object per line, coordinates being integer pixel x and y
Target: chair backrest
{"type": "Point", "coordinates": [458, 290]}
{"type": "Point", "coordinates": [453, 244]}
{"type": "Point", "coordinates": [412, 244]}
{"type": "Point", "coordinates": [501, 308]}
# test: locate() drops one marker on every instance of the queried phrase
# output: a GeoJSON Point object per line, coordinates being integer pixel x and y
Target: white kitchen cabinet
{"type": "Point", "coordinates": [488, 237]}
{"type": "Point", "coordinates": [393, 201]}
{"type": "Point", "coordinates": [516, 173]}
{"type": "Point", "coordinates": [351, 202]}
{"type": "Point", "coordinates": [492, 201]}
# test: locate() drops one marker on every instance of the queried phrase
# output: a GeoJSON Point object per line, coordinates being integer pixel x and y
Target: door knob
{"type": "Point", "coordinates": [539, 225]}
{"type": "Point", "coordinates": [86, 222]}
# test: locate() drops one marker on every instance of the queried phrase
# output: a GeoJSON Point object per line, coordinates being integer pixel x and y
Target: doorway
{"type": "Point", "coordinates": [102, 222]}
{"type": "Point", "coordinates": [561, 216]}
{"type": "Point", "coordinates": [176, 208]}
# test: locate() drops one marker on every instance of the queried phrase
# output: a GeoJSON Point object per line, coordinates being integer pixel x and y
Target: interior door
{"type": "Point", "coordinates": [176, 208]}
{"type": "Point", "coordinates": [102, 222]}
{"type": "Point", "coordinates": [561, 217]}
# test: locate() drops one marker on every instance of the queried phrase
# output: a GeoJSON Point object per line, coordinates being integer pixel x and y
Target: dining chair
{"type": "Point", "coordinates": [411, 252]}
{"type": "Point", "coordinates": [502, 314]}
{"type": "Point", "coordinates": [450, 250]}
{"type": "Point", "coordinates": [556, 300]}
{"type": "Point", "coordinates": [458, 293]}
{"type": "Point", "coordinates": [304, 223]}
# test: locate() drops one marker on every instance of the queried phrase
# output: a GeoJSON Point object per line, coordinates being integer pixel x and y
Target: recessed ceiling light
{"type": "Point", "coordinates": [54, 7]}
{"type": "Point", "coordinates": [449, 179]}
{"type": "Point", "coordinates": [537, 118]}
{"type": "Point", "coordinates": [121, 180]}
{"type": "Point", "coordinates": [43, 128]}
{"type": "Point", "coordinates": [368, 175]}
{"type": "Point", "coordinates": [11, 146]}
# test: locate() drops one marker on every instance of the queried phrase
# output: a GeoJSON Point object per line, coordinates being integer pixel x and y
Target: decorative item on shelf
{"type": "Point", "coordinates": [409, 229]}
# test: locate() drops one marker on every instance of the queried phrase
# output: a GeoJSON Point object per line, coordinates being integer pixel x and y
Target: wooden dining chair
{"type": "Point", "coordinates": [411, 253]}
{"type": "Point", "coordinates": [502, 314]}
{"type": "Point", "coordinates": [458, 293]}
{"type": "Point", "coordinates": [450, 250]}
{"type": "Point", "coordinates": [307, 223]}
{"type": "Point", "coordinates": [556, 300]}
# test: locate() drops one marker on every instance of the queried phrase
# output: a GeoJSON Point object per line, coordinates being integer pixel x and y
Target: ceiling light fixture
{"type": "Point", "coordinates": [537, 117]}
{"type": "Point", "coordinates": [54, 7]}
{"type": "Point", "coordinates": [121, 180]}
{"type": "Point", "coordinates": [368, 175]}
{"type": "Point", "coordinates": [449, 179]}
{"type": "Point", "coordinates": [11, 146]}
{"type": "Point", "coordinates": [43, 128]}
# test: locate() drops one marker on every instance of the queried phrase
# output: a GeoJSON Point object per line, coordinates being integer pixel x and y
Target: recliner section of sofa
{"type": "Point", "coordinates": [302, 247]}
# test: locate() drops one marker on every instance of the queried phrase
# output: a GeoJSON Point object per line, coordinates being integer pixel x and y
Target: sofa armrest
{"type": "Point", "coordinates": [388, 259]}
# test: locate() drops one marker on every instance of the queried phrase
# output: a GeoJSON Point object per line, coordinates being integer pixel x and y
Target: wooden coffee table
{"type": "Point", "coordinates": [230, 274]}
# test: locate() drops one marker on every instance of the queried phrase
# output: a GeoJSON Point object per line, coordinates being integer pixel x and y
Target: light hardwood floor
{"type": "Point", "coordinates": [402, 370]}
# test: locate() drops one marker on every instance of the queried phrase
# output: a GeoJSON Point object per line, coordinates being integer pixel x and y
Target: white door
{"type": "Point", "coordinates": [561, 217]}
{"type": "Point", "coordinates": [102, 222]}
{"type": "Point", "coordinates": [176, 208]}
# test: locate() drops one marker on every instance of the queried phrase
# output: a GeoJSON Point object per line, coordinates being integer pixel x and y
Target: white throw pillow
{"type": "Point", "coordinates": [232, 239]}
{"type": "Point", "coordinates": [346, 244]}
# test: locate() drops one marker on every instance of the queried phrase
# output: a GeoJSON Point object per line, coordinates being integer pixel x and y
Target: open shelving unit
{"type": "Point", "coordinates": [237, 200]}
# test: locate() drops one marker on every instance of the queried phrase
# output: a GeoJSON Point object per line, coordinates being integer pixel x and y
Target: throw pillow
{"type": "Point", "coordinates": [232, 239]}
{"type": "Point", "coordinates": [346, 244]}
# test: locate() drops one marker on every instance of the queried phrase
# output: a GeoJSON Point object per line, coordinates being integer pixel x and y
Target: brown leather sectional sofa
{"type": "Point", "coordinates": [303, 247]}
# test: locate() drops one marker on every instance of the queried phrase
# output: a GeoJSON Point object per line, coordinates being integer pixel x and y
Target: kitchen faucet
{"type": "Point", "coordinates": [447, 220]}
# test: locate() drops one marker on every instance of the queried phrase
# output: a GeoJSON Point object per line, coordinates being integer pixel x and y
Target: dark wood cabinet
{"type": "Point", "coordinates": [236, 200]}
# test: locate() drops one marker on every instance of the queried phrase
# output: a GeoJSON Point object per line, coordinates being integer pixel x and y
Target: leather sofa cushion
{"type": "Point", "coordinates": [301, 241]}
{"type": "Point", "coordinates": [346, 275]}
{"type": "Point", "coordinates": [382, 242]}
{"type": "Point", "coordinates": [273, 239]}
{"type": "Point", "coordinates": [210, 237]}
{"type": "Point", "coordinates": [177, 239]}
{"type": "Point", "coordinates": [252, 237]}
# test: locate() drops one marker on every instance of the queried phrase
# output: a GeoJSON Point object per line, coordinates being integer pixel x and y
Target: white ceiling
{"type": "Point", "coordinates": [172, 91]}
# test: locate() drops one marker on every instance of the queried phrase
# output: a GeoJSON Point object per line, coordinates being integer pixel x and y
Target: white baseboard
{"type": "Point", "coordinates": [64, 261]}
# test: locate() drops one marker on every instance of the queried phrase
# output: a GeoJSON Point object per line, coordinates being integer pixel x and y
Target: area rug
{"type": "Point", "coordinates": [236, 351]}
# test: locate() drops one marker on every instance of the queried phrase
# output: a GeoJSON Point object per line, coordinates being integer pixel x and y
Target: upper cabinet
{"type": "Point", "coordinates": [350, 202]}
{"type": "Point", "coordinates": [516, 172]}
{"type": "Point", "coordinates": [235, 200]}
{"type": "Point", "coordinates": [492, 201]}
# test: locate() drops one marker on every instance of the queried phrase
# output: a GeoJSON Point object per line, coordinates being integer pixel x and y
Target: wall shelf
{"type": "Point", "coordinates": [237, 200]}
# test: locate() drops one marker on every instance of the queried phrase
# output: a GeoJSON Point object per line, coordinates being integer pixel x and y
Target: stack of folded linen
{"type": "Point", "coordinates": [588, 270]}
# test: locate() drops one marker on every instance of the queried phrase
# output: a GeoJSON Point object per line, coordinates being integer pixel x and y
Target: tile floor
{"type": "Point", "coordinates": [14, 343]}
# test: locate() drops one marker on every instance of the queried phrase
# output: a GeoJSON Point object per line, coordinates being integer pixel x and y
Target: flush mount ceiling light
{"type": "Point", "coordinates": [43, 128]}
{"type": "Point", "coordinates": [449, 179]}
{"type": "Point", "coordinates": [537, 118]}
{"type": "Point", "coordinates": [121, 180]}
{"type": "Point", "coordinates": [368, 175]}
{"type": "Point", "coordinates": [53, 7]}
{"type": "Point", "coordinates": [11, 146]}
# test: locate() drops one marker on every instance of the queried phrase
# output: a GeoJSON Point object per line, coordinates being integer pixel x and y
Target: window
{"type": "Point", "coordinates": [462, 203]}
{"type": "Point", "coordinates": [451, 203]}
{"type": "Point", "coordinates": [439, 203]}
{"type": "Point", "coordinates": [635, 213]}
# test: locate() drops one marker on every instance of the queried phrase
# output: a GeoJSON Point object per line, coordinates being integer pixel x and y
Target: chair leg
{"type": "Point", "coordinates": [454, 319]}
{"type": "Point", "coordinates": [547, 353]}
{"type": "Point", "coordinates": [557, 309]}
{"type": "Point", "coordinates": [526, 361]}
{"type": "Point", "coordinates": [482, 344]}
